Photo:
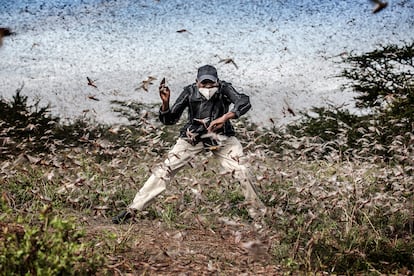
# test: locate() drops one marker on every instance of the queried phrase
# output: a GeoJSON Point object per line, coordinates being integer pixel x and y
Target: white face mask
{"type": "Point", "coordinates": [208, 92]}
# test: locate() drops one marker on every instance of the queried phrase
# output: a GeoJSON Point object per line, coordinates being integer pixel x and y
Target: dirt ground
{"type": "Point", "coordinates": [152, 247]}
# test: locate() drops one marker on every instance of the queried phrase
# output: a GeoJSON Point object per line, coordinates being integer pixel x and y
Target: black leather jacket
{"type": "Point", "coordinates": [202, 111]}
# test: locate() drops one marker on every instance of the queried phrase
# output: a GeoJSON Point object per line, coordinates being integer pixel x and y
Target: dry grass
{"type": "Point", "coordinates": [325, 214]}
{"type": "Point", "coordinates": [328, 211]}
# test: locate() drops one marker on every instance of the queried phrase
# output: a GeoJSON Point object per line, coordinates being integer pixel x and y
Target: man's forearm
{"type": "Point", "coordinates": [229, 115]}
{"type": "Point", "coordinates": [165, 106]}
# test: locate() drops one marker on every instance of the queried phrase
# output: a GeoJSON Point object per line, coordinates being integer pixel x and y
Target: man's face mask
{"type": "Point", "coordinates": [208, 92]}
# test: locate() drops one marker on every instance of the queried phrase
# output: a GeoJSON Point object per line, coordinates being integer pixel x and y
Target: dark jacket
{"type": "Point", "coordinates": [201, 108]}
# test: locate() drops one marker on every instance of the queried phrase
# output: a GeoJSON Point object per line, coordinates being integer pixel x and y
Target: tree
{"type": "Point", "coordinates": [384, 82]}
{"type": "Point", "coordinates": [384, 79]}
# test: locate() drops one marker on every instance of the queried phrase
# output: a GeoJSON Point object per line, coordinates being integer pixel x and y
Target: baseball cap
{"type": "Point", "coordinates": [207, 72]}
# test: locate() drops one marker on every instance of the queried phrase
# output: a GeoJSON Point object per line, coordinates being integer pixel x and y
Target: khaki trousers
{"type": "Point", "coordinates": [230, 155]}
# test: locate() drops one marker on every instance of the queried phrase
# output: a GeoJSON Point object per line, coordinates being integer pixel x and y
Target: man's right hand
{"type": "Point", "coordinates": [164, 95]}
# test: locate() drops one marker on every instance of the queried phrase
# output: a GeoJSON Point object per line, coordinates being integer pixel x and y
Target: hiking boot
{"type": "Point", "coordinates": [122, 217]}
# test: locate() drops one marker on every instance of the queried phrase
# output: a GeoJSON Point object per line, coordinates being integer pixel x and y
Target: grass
{"type": "Point", "coordinates": [330, 214]}
{"type": "Point", "coordinates": [347, 217]}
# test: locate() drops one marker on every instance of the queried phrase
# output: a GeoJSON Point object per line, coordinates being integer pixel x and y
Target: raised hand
{"type": "Point", "coordinates": [164, 95]}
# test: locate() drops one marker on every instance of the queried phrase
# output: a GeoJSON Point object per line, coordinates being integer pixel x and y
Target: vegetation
{"type": "Point", "coordinates": [52, 246]}
{"type": "Point", "coordinates": [384, 81]}
{"type": "Point", "coordinates": [337, 186]}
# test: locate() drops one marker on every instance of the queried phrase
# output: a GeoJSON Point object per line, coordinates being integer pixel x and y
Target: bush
{"type": "Point", "coordinates": [24, 127]}
{"type": "Point", "coordinates": [53, 247]}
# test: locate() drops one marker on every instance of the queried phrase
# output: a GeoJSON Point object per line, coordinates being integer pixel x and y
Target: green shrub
{"type": "Point", "coordinates": [51, 247]}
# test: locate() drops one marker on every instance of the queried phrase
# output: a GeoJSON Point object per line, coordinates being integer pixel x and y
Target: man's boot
{"type": "Point", "coordinates": [122, 217]}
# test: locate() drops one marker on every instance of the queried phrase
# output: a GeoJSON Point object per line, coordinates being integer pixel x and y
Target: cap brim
{"type": "Point", "coordinates": [207, 77]}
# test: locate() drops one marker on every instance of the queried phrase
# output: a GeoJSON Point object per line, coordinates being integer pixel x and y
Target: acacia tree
{"type": "Point", "coordinates": [384, 80]}
{"type": "Point", "coordinates": [384, 83]}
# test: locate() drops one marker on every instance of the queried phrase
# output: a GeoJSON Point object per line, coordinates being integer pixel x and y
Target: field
{"type": "Point", "coordinates": [326, 213]}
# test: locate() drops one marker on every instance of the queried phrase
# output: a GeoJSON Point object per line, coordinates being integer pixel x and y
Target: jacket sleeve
{"type": "Point", "coordinates": [240, 101]}
{"type": "Point", "coordinates": [173, 114]}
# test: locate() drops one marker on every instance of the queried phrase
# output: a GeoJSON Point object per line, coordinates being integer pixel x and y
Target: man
{"type": "Point", "coordinates": [208, 127]}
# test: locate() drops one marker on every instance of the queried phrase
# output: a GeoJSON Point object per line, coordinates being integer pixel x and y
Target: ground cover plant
{"type": "Point", "coordinates": [338, 190]}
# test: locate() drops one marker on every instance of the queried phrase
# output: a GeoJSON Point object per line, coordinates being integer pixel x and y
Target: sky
{"type": "Point", "coordinates": [286, 53]}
